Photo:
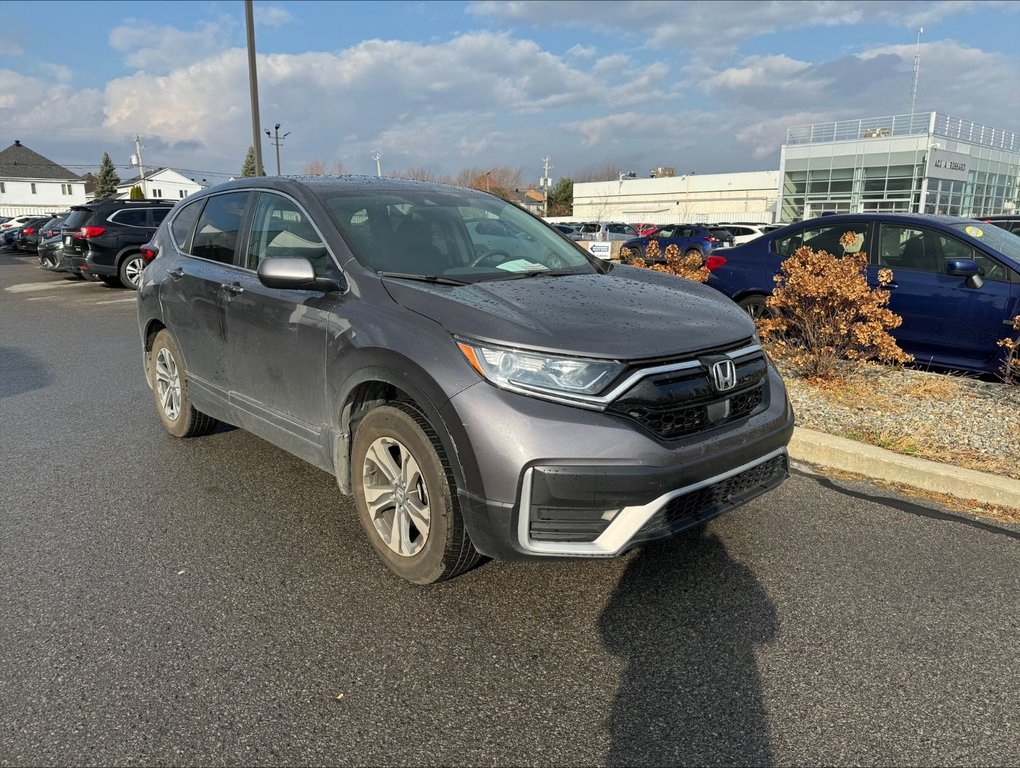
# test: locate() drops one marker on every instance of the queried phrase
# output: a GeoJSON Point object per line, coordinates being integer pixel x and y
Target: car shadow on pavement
{"type": "Point", "coordinates": [21, 371]}
{"type": "Point", "coordinates": [688, 619]}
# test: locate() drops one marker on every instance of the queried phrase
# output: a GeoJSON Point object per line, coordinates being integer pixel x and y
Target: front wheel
{"type": "Point", "coordinates": [170, 387]}
{"type": "Point", "coordinates": [130, 271]}
{"type": "Point", "coordinates": [406, 496]}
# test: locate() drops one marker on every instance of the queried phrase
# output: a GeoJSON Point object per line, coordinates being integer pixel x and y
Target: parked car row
{"type": "Point", "coordinates": [102, 240]}
{"type": "Point", "coordinates": [956, 282]}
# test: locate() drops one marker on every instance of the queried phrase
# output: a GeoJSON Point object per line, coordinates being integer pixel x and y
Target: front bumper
{"type": "Point", "coordinates": [554, 480]}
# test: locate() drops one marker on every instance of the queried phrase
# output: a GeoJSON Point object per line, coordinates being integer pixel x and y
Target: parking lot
{"type": "Point", "coordinates": [214, 601]}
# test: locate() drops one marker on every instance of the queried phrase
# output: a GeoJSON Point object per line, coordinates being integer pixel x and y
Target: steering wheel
{"type": "Point", "coordinates": [496, 257]}
{"type": "Point", "coordinates": [553, 260]}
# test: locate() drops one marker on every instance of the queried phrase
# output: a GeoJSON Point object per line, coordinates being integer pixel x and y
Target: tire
{"type": "Point", "coordinates": [390, 442]}
{"type": "Point", "coordinates": [693, 252]}
{"type": "Point", "coordinates": [170, 389]}
{"type": "Point", "coordinates": [111, 280]}
{"type": "Point", "coordinates": [755, 306]}
{"type": "Point", "coordinates": [130, 271]}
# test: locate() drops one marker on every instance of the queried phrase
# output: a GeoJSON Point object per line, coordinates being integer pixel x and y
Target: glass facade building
{"type": "Point", "coordinates": [922, 163]}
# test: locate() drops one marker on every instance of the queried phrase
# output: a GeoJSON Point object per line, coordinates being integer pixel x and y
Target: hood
{"type": "Point", "coordinates": [627, 314]}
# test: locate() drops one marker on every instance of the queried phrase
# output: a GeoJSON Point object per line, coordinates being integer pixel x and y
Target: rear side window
{"type": "Point", "coordinates": [219, 227]}
{"type": "Point", "coordinates": [132, 217]}
{"type": "Point", "coordinates": [158, 214]}
{"type": "Point", "coordinates": [824, 238]}
{"type": "Point", "coordinates": [184, 224]}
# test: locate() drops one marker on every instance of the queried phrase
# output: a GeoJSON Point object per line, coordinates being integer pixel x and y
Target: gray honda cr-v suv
{"type": "Point", "coordinates": [474, 402]}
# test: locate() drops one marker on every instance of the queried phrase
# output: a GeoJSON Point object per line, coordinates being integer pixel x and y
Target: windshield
{"type": "Point", "coordinates": [1006, 243]}
{"type": "Point", "coordinates": [454, 233]}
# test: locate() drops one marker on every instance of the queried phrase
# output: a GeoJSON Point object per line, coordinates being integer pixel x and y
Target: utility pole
{"type": "Point", "coordinates": [253, 82]}
{"type": "Point", "coordinates": [277, 141]}
{"type": "Point", "coordinates": [141, 168]}
{"type": "Point", "coordinates": [917, 71]}
{"type": "Point", "coordinates": [545, 185]}
{"type": "Point", "coordinates": [376, 155]}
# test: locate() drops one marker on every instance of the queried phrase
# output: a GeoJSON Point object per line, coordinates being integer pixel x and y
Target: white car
{"type": "Point", "coordinates": [17, 221]}
{"type": "Point", "coordinates": [745, 233]}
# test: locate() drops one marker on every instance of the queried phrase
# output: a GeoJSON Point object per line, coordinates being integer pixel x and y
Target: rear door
{"type": "Point", "coordinates": [207, 236]}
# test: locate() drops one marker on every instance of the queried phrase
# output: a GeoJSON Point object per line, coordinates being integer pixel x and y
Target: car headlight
{"type": "Point", "coordinates": [550, 375]}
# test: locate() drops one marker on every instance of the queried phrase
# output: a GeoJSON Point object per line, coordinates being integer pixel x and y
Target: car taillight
{"type": "Point", "coordinates": [149, 252]}
{"type": "Point", "coordinates": [712, 263]}
{"type": "Point", "coordinates": [29, 230]}
{"type": "Point", "coordinates": [711, 239]}
{"type": "Point", "coordinates": [88, 232]}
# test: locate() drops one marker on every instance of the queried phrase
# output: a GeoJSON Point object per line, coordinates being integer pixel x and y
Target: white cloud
{"type": "Point", "coordinates": [155, 48]}
{"type": "Point", "coordinates": [715, 23]}
{"type": "Point", "coordinates": [272, 15]}
{"type": "Point", "coordinates": [27, 106]}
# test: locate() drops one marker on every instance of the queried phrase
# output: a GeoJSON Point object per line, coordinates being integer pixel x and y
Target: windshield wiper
{"type": "Point", "coordinates": [424, 278]}
{"type": "Point", "coordinates": [536, 273]}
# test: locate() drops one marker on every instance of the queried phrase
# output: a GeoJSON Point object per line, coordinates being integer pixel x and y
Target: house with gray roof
{"type": "Point", "coordinates": [31, 183]}
{"type": "Point", "coordinates": [161, 183]}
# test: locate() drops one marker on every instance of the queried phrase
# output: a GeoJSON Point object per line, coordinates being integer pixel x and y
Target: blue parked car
{"type": "Point", "coordinates": [700, 239]}
{"type": "Point", "coordinates": [956, 282]}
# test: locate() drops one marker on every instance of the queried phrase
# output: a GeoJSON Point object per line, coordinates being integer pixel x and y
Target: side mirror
{"type": "Point", "coordinates": [294, 274]}
{"type": "Point", "coordinates": [967, 268]}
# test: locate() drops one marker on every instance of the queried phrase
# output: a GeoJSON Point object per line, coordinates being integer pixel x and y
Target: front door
{"type": "Point", "coordinates": [277, 338]}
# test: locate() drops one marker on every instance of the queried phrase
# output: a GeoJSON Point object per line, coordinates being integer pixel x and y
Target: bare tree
{"type": "Point", "coordinates": [417, 174]}
{"type": "Point", "coordinates": [502, 180]}
{"type": "Point", "coordinates": [338, 168]}
{"type": "Point", "coordinates": [608, 172]}
{"type": "Point", "coordinates": [315, 168]}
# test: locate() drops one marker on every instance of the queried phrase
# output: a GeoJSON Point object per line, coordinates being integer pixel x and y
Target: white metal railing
{"type": "Point", "coordinates": [905, 125]}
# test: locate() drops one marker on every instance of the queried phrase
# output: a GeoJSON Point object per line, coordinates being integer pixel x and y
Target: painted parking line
{"type": "Point", "coordinates": [117, 301]}
{"type": "Point", "coordinates": [42, 298]}
{"type": "Point", "coordinates": [33, 287]}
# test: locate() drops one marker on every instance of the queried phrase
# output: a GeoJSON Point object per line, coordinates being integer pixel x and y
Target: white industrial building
{"type": "Point", "coordinates": [688, 198]}
{"type": "Point", "coordinates": [33, 184]}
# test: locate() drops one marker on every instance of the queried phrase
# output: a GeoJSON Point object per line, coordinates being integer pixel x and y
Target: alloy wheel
{"type": "Point", "coordinates": [168, 384]}
{"type": "Point", "coordinates": [397, 497]}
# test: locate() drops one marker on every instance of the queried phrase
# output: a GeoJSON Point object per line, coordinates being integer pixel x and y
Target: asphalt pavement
{"type": "Point", "coordinates": [213, 601]}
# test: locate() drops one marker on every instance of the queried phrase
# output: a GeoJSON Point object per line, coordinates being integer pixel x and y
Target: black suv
{"type": "Point", "coordinates": [1009, 222]}
{"type": "Point", "coordinates": [543, 403]}
{"type": "Point", "coordinates": [103, 239]}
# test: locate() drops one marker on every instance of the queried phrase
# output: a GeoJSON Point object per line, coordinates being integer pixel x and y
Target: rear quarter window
{"type": "Point", "coordinates": [184, 224]}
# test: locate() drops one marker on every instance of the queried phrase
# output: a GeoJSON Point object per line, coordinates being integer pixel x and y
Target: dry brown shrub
{"type": "Point", "coordinates": [1010, 369]}
{"type": "Point", "coordinates": [826, 316]}
{"type": "Point", "coordinates": [691, 267]}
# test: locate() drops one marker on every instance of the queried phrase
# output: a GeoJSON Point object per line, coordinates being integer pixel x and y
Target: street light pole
{"type": "Point", "coordinates": [253, 82]}
{"type": "Point", "coordinates": [378, 168]}
{"type": "Point", "coordinates": [278, 138]}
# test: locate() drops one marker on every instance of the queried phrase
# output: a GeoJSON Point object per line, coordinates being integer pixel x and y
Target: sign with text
{"type": "Point", "coordinates": [943, 164]}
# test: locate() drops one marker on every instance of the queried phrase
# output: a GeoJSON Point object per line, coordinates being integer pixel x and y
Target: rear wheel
{"type": "Point", "coordinates": [406, 496]}
{"type": "Point", "coordinates": [170, 387]}
{"type": "Point", "coordinates": [692, 252]}
{"type": "Point", "coordinates": [130, 271]}
{"type": "Point", "coordinates": [755, 306]}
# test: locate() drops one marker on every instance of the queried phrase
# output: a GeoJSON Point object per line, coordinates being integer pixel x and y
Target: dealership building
{"type": "Point", "coordinates": [928, 162]}
{"type": "Point", "coordinates": [923, 163]}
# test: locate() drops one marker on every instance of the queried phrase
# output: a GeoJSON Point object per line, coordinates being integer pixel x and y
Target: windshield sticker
{"type": "Point", "coordinates": [974, 231]}
{"type": "Point", "coordinates": [521, 265]}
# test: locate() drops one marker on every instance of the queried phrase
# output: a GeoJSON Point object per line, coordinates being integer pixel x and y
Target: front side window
{"type": "Point", "coordinates": [219, 227]}
{"type": "Point", "coordinates": [281, 229]}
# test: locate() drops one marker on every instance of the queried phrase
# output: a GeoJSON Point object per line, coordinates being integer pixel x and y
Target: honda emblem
{"type": "Point", "coordinates": [724, 375]}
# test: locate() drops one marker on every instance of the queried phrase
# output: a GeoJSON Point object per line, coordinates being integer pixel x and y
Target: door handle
{"type": "Point", "coordinates": [232, 288]}
{"type": "Point", "coordinates": [176, 273]}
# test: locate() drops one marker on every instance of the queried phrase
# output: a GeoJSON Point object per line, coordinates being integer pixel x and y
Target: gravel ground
{"type": "Point", "coordinates": [944, 417]}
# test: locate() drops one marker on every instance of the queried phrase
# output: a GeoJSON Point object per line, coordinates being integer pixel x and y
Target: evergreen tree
{"type": "Point", "coordinates": [248, 166]}
{"type": "Point", "coordinates": [561, 198]}
{"type": "Point", "coordinates": [136, 193]}
{"type": "Point", "coordinates": [107, 179]}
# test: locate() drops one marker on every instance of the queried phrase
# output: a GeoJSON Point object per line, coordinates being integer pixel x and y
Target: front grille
{"type": "Point", "coordinates": [685, 402]}
{"type": "Point", "coordinates": [708, 502]}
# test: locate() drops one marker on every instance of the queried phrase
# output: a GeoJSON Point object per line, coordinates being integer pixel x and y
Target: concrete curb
{"type": "Point", "coordinates": [839, 453]}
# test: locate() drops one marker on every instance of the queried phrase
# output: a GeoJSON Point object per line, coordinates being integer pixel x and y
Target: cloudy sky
{"type": "Point", "coordinates": [703, 86]}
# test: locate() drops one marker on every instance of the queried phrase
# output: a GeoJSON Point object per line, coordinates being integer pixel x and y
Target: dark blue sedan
{"type": "Point", "coordinates": [956, 282]}
{"type": "Point", "coordinates": [698, 239]}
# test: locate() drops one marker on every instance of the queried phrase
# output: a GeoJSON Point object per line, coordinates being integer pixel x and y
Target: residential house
{"type": "Point", "coordinates": [33, 184]}
{"type": "Point", "coordinates": [162, 184]}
